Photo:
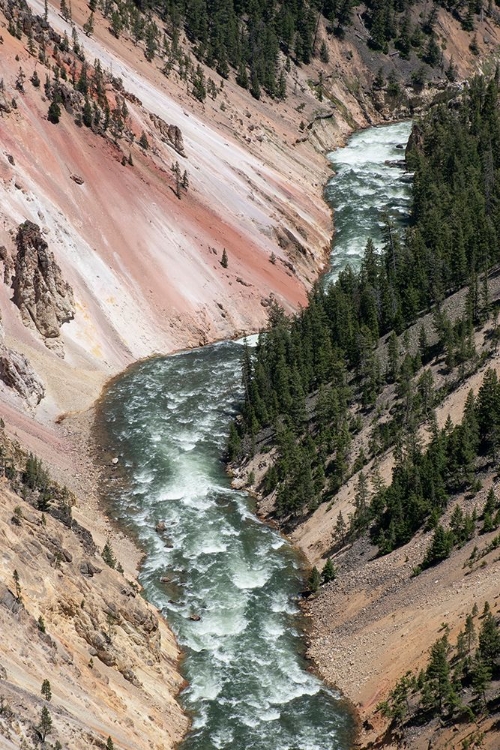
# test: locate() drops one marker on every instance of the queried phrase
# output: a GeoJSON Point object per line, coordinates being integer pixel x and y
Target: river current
{"type": "Point", "coordinates": [231, 583]}
{"type": "Point", "coordinates": [368, 180]}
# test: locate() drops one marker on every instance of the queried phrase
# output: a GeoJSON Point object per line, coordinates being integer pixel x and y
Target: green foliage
{"type": "Point", "coordinates": [224, 259]}
{"type": "Point", "coordinates": [36, 477]}
{"type": "Point", "coordinates": [440, 547]}
{"type": "Point", "coordinates": [46, 690]}
{"type": "Point", "coordinates": [397, 704]}
{"type": "Point", "coordinates": [329, 571]}
{"type": "Point", "coordinates": [54, 112]}
{"type": "Point", "coordinates": [88, 26]}
{"type": "Point", "coordinates": [87, 113]}
{"type": "Point", "coordinates": [108, 555]}
{"type": "Point", "coordinates": [45, 725]}
{"type": "Point", "coordinates": [17, 584]}
{"type": "Point", "coordinates": [110, 744]}
{"type": "Point", "coordinates": [314, 580]}
{"type": "Point", "coordinates": [454, 685]}
{"type": "Point", "coordinates": [302, 377]}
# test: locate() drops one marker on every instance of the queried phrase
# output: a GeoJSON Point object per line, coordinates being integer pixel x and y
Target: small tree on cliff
{"type": "Point", "coordinates": [329, 571]}
{"type": "Point", "coordinates": [45, 726]}
{"type": "Point", "coordinates": [314, 580]}
{"type": "Point", "coordinates": [54, 112]}
{"type": "Point", "coordinates": [46, 690]}
{"type": "Point", "coordinates": [224, 259]}
{"type": "Point", "coordinates": [108, 555]}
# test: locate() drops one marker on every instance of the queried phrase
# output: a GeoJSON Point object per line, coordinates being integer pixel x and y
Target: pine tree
{"type": "Point", "coordinates": [481, 676]}
{"type": "Point", "coordinates": [489, 640]}
{"type": "Point", "coordinates": [88, 26]}
{"type": "Point", "coordinates": [439, 548]}
{"type": "Point", "coordinates": [314, 580]}
{"type": "Point", "coordinates": [361, 516]}
{"type": "Point", "coordinates": [45, 725]}
{"type": "Point", "coordinates": [108, 555]}
{"type": "Point", "coordinates": [87, 113]}
{"type": "Point", "coordinates": [17, 584]}
{"type": "Point", "coordinates": [440, 692]}
{"type": "Point", "coordinates": [329, 571]}
{"type": "Point", "coordinates": [54, 112]}
{"type": "Point", "coordinates": [224, 259]}
{"type": "Point", "coordinates": [340, 530]}
{"type": "Point", "coordinates": [46, 690]}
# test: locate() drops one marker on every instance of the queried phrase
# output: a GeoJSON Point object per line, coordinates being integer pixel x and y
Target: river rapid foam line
{"type": "Point", "coordinates": [227, 583]}
{"type": "Point", "coordinates": [369, 179]}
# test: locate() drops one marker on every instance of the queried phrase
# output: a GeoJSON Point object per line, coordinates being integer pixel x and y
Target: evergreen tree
{"type": "Point", "coordinates": [329, 572]}
{"type": "Point", "coordinates": [481, 676]}
{"type": "Point", "coordinates": [489, 641]}
{"type": "Point", "coordinates": [440, 547]}
{"type": "Point", "coordinates": [438, 694]}
{"type": "Point", "coordinates": [45, 725]}
{"type": "Point", "coordinates": [314, 580]}
{"type": "Point", "coordinates": [46, 690]}
{"type": "Point", "coordinates": [54, 113]}
{"type": "Point", "coordinates": [108, 555]}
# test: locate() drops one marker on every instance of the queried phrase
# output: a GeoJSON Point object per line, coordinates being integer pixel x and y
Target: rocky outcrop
{"type": "Point", "coordinates": [44, 299]}
{"type": "Point", "coordinates": [170, 134]}
{"type": "Point", "coordinates": [17, 373]}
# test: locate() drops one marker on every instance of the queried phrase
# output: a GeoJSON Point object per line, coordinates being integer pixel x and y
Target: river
{"type": "Point", "coordinates": [231, 597]}
{"type": "Point", "coordinates": [367, 181]}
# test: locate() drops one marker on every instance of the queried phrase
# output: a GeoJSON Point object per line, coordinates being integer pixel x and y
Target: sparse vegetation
{"type": "Point", "coordinates": [459, 683]}
{"type": "Point", "coordinates": [45, 726]}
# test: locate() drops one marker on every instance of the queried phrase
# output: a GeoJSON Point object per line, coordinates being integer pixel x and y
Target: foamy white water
{"type": "Point", "coordinates": [367, 182]}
